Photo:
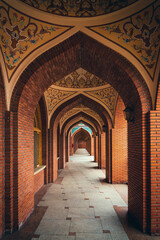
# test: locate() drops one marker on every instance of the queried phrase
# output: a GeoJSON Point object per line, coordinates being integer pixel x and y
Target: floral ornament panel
{"type": "Point", "coordinates": [54, 96]}
{"type": "Point", "coordinates": [80, 79]}
{"type": "Point", "coordinates": [79, 8]}
{"type": "Point", "coordinates": [20, 35]}
{"type": "Point", "coordinates": [139, 34]}
{"type": "Point", "coordinates": [108, 96]}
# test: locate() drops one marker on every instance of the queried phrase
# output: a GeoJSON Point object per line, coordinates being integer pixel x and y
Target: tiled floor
{"type": "Point", "coordinates": [80, 206]}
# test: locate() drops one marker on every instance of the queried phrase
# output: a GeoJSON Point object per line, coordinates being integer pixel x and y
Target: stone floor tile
{"type": "Point", "coordinates": [88, 236]}
{"type": "Point", "coordinates": [118, 235]}
{"type": "Point", "coordinates": [81, 213]}
{"type": "Point", "coordinates": [53, 227]}
{"type": "Point", "coordinates": [54, 213]}
{"type": "Point", "coordinates": [52, 203]}
{"type": "Point", "coordinates": [79, 204]}
{"type": "Point", "coordinates": [56, 237]}
{"type": "Point", "coordinates": [79, 225]}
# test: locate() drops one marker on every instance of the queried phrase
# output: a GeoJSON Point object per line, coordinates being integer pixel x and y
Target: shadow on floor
{"type": "Point", "coordinates": [27, 230]}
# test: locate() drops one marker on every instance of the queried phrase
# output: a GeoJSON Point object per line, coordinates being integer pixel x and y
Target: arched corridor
{"type": "Point", "coordinates": [95, 65]}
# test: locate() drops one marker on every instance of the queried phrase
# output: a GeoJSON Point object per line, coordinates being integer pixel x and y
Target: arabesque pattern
{"type": "Point", "coordinates": [139, 34]}
{"type": "Point", "coordinates": [79, 8]}
{"type": "Point", "coordinates": [20, 35]}
{"type": "Point", "coordinates": [54, 96]}
{"type": "Point", "coordinates": [80, 79]}
{"type": "Point", "coordinates": [108, 96]}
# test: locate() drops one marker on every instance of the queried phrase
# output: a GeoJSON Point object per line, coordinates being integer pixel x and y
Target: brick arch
{"type": "Point", "coordinates": [75, 101]}
{"type": "Point", "coordinates": [79, 121]}
{"type": "Point", "coordinates": [73, 123]}
{"type": "Point", "coordinates": [77, 131]}
{"type": "Point", "coordinates": [90, 121]}
{"type": "Point", "coordinates": [81, 51]}
{"type": "Point", "coordinates": [2, 156]}
{"type": "Point", "coordinates": [158, 95]}
{"type": "Point", "coordinates": [82, 134]}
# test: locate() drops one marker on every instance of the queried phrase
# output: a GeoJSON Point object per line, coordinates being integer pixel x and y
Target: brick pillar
{"type": "Point", "coordinates": [103, 150]}
{"type": "Point", "coordinates": [61, 152]}
{"type": "Point", "coordinates": [92, 146]}
{"type": "Point", "coordinates": [95, 150]}
{"type": "Point", "coordinates": [8, 175]}
{"type": "Point", "coordinates": [154, 173]}
{"type": "Point", "coordinates": [66, 150]}
{"type": "Point", "coordinates": [119, 156]}
{"type": "Point", "coordinates": [2, 158]}
{"type": "Point", "coordinates": [109, 156]}
{"type": "Point", "coordinates": [99, 150]}
{"type": "Point", "coordinates": [11, 172]}
{"type": "Point", "coordinates": [55, 162]}
{"type": "Point", "coordinates": [50, 155]}
{"type": "Point", "coordinates": [97, 153]}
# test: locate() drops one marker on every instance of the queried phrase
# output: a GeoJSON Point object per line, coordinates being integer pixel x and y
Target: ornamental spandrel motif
{"type": "Point", "coordinates": [54, 96]}
{"type": "Point", "coordinates": [80, 79]}
{"type": "Point", "coordinates": [79, 8]}
{"type": "Point", "coordinates": [139, 34]}
{"type": "Point", "coordinates": [108, 96]}
{"type": "Point", "coordinates": [20, 35]}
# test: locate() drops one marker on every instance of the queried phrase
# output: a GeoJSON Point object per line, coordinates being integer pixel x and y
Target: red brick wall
{"type": "Point", "coordinates": [38, 180]}
{"type": "Point", "coordinates": [154, 122]}
{"type": "Point", "coordinates": [2, 155]}
{"type": "Point", "coordinates": [119, 146]}
{"type": "Point", "coordinates": [81, 143]}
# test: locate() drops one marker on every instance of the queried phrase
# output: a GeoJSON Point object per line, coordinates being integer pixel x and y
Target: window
{"type": "Point", "coordinates": [37, 138]}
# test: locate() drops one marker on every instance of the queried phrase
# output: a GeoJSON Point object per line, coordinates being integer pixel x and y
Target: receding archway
{"type": "Point", "coordinates": [81, 51]}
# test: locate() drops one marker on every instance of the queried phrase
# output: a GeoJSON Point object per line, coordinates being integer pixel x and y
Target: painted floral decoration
{"type": "Point", "coordinates": [15, 35]}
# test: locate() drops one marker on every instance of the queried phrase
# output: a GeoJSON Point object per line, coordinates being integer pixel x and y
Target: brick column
{"type": "Point", "coordinates": [11, 172]}
{"type": "Point", "coordinates": [154, 172]}
{"type": "Point", "coordinates": [2, 158]}
{"type": "Point", "coordinates": [103, 150]}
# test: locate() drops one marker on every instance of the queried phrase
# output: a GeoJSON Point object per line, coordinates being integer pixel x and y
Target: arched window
{"type": "Point", "coordinates": [37, 138]}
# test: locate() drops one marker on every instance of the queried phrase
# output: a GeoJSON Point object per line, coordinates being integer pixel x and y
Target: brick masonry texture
{"type": "Point", "coordinates": [119, 146]}
{"type": "Point", "coordinates": [38, 181]}
{"type": "Point", "coordinates": [2, 155]}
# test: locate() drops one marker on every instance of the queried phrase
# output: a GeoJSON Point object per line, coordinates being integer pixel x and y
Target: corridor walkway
{"type": "Point", "coordinates": [81, 207]}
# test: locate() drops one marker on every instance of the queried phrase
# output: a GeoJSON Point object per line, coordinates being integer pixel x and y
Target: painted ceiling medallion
{"type": "Point", "coordinates": [80, 79]}
{"type": "Point", "coordinates": [79, 8]}
{"type": "Point", "coordinates": [139, 34]}
{"type": "Point", "coordinates": [20, 35]}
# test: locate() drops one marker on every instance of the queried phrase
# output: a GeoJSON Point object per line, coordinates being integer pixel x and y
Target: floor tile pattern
{"type": "Point", "coordinates": [80, 207]}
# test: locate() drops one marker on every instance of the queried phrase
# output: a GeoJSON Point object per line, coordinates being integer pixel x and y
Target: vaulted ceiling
{"type": "Point", "coordinates": [30, 27]}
